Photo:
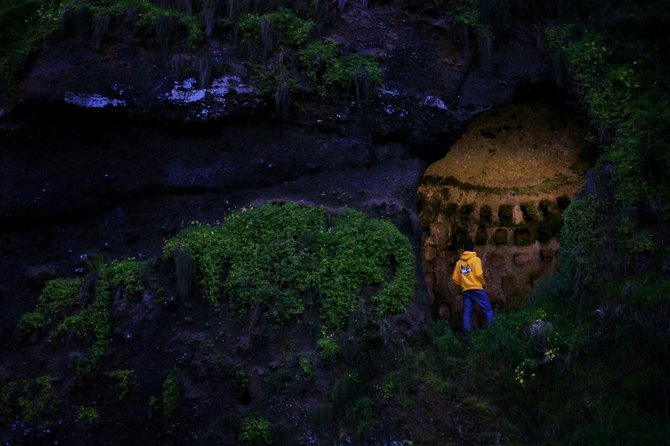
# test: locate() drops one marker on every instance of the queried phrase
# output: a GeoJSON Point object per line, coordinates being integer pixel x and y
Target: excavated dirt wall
{"type": "Point", "coordinates": [504, 186]}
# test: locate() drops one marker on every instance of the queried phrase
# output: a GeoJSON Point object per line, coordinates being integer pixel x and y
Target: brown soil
{"type": "Point", "coordinates": [502, 185]}
{"type": "Point", "coordinates": [520, 145]}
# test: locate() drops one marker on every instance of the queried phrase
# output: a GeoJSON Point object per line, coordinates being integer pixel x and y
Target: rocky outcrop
{"type": "Point", "coordinates": [128, 140]}
{"type": "Point", "coordinates": [432, 82]}
{"type": "Point", "coordinates": [503, 186]}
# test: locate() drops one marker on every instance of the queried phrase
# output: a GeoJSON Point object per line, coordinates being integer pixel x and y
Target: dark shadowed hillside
{"type": "Point", "coordinates": [236, 222]}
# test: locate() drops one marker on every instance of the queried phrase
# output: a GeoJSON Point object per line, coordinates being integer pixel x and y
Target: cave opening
{"type": "Point", "coordinates": [503, 185]}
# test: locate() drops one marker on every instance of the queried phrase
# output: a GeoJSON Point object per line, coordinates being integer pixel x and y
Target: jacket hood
{"type": "Point", "coordinates": [467, 255]}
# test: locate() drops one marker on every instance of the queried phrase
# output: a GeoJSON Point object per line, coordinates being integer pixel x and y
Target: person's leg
{"type": "Point", "coordinates": [467, 311]}
{"type": "Point", "coordinates": [484, 304]}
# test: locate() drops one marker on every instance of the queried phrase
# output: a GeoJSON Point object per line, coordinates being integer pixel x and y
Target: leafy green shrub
{"type": "Point", "coordinates": [352, 70]}
{"type": "Point", "coordinates": [275, 254]}
{"type": "Point", "coordinates": [149, 15]}
{"type": "Point", "coordinates": [24, 25]}
{"type": "Point", "coordinates": [250, 27]}
{"type": "Point", "coordinates": [270, 78]}
{"type": "Point", "coordinates": [359, 251]}
{"type": "Point", "coordinates": [317, 57]}
{"type": "Point", "coordinates": [87, 414]}
{"type": "Point", "coordinates": [465, 13]}
{"type": "Point", "coordinates": [328, 348]}
{"type": "Point", "coordinates": [127, 274]}
{"type": "Point", "coordinates": [33, 401]}
{"type": "Point", "coordinates": [518, 343]}
{"type": "Point", "coordinates": [286, 27]}
{"type": "Point", "coordinates": [37, 399]}
{"type": "Point", "coordinates": [364, 415]}
{"type": "Point", "coordinates": [31, 322]}
{"type": "Point", "coordinates": [210, 251]}
{"type": "Point", "coordinates": [92, 322]}
{"type": "Point", "coordinates": [194, 30]}
{"type": "Point", "coordinates": [306, 367]}
{"type": "Point", "coordinates": [445, 341]}
{"type": "Point", "coordinates": [327, 68]}
{"type": "Point", "coordinates": [99, 328]}
{"type": "Point", "coordinates": [578, 239]}
{"type": "Point", "coordinates": [620, 84]}
{"type": "Point", "coordinates": [57, 297]}
{"type": "Point", "coordinates": [346, 390]}
{"type": "Point", "coordinates": [60, 300]}
{"type": "Point", "coordinates": [256, 431]}
{"type": "Point", "coordinates": [389, 387]}
{"type": "Point", "coordinates": [78, 323]}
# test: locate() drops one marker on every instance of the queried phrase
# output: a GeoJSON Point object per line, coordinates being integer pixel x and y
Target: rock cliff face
{"type": "Point", "coordinates": [503, 185]}
{"type": "Point", "coordinates": [112, 150]}
{"type": "Point", "coordinates": [138, 137]}
{"type": "Point", "coordinates": [431, 87]}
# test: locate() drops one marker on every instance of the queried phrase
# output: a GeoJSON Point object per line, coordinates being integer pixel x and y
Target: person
{"type": "Point", "coordinates": [468, 274]}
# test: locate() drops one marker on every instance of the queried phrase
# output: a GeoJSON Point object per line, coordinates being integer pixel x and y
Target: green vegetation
{"type": "Point", "coordinates": [614, 359]}
{"type": "Point", "coordinates": [272, 77]}
{"type": "Point", "coordinates": [88, 414]}
{"type": "Point", "coordinates": [350, 407]}
{"type": "Point", "coordinates": [306, 368]}
{"type": "Point", "coordinates": [353, 69]}
{"type": "Point", "coordinates": [328, 348]}
{"type": "Point", "coordinates": [24, 25]}
{"type": "Point", "coordinates": [466, 13]}
{"type": "Point", "coordinates": [276, 257]}
{"type": "Point", "coordinates": [36, 400]}
{"type": "Point", "coordinates": [32, 401]}
{"type": "Point", "coordinates": [67, 306]}
{"type": "Point", "coordinates": [125, 381]}
{"type": "Point", "coordinates": [256, 431]}
{"type": "Point", "coordinates": [326, 68]}
{"type": "Point", "coordinates": [622, 87]}
{"type": "Point", "coordinates": [58, 296]}
{"type": "Point", "coordinates": [594, 323]}
{"type": "Point", "coordinates": [149, 15]}
{"type": "Point", "coordinates": [317, 57]}
{"type": "Point", "coordinates": [272, 34]}
{"type": "Point", "coordinates": [125, 277]}
{"type": "Point", "coordinates": [171, 395]}
{"type": "Point", "coordinates": [91, 324]}
{"type": "Point", "coordinates": [285, 27]}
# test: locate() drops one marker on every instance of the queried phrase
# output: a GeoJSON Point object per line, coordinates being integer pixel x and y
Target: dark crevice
{"type": "Point", "coordinates": [105, 202]}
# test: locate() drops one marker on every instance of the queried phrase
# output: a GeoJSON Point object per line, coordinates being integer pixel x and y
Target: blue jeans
{"type": "Point", "coordinates": [482, 300]}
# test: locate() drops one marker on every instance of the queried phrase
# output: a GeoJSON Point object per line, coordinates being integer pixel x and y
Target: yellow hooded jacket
{"type": "Point", "coordinates": [468, 272]}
